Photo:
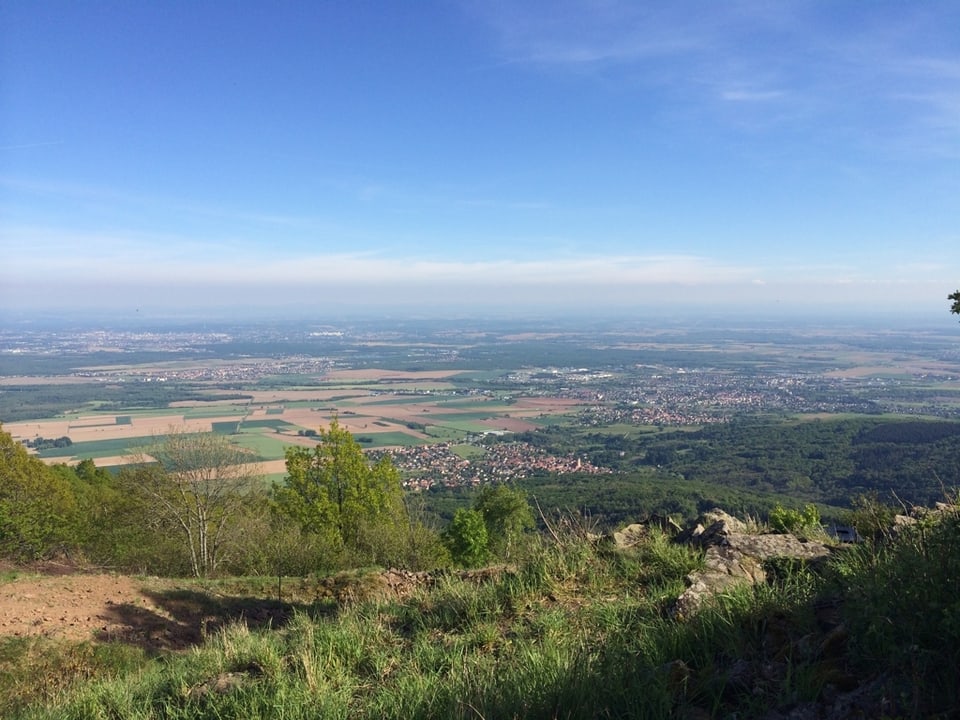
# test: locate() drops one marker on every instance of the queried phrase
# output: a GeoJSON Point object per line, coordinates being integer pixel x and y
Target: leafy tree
{"type": "Point", "coordinates": [198, 484]}
{"type": "Point", "coordinates": [955, 308]}
{"type": "Point", "coordinates": [334, 492]}
{"type": "Point", "coordinates": [507, 516]}
{"type": "Point", "coordinates": [125, 528]}
{"type": "Point", "coordinates": [467, 538]}
{"type": "Point", "coordinates": [38, 511]}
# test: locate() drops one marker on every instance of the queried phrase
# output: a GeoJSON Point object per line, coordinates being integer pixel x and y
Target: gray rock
{"type": "Point", "coordinates": [711, 528]}
{"type": "Point", "coordinates": [733, 558]}
{"type": "Point", "coordinates": [629, 536]}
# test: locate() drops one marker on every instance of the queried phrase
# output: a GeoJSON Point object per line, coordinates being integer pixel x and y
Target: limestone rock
{"type": "Point", "coordinates": [734, 557]}
{"type": "Point", "coordinates": [629, 536]}
{"type": "Point", "coordinates": [711, 528]}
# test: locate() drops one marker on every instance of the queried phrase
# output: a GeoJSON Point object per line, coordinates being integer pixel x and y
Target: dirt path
{"type": "Point", "coordinates": [152, 613]}
{"type": "Point", "coordinates": [78, 607]}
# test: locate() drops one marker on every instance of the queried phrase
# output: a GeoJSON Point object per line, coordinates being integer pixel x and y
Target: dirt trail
{"type": "Point", "coordinates": [153, 613]}
{"type": "Point", "coordinates": [87, 607]}
{"type": "Point", "coordinates": [62, 602]}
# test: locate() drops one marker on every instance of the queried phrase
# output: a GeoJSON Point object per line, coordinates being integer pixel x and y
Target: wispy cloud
{"type": "Point", "coordinates": [819, 62]}
{"type": "Point", "coordinates": [751, 95]}
{"type": "Point", "coordinates": [52, 256]}
{"type": "Point", "coordinates": [31, 145]}
{"type": "Point", "coordinates": [43, 269]}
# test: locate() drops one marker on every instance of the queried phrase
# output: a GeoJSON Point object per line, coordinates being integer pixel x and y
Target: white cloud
{"type": "Point", "coordinates": [848, 72]}
{"type": "Point", "coordinates": [751, 95]}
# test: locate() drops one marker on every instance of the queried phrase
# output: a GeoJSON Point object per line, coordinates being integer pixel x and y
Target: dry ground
{"type": "Point", "coordinates": [88, 607]}
{"type": "Point", "coordinates": [62, 604]}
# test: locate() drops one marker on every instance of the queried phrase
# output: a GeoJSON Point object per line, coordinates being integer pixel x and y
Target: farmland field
{"type": "Point", "coordinates": [384, 412]}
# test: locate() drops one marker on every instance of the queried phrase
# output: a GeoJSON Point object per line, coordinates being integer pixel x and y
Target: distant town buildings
{"type": "Point", "coordinates": [429, 465]}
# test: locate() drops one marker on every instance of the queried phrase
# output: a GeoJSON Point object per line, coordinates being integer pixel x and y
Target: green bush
{"type": "Point", "coordinates": [784, 520]}
{"type": "Point", "coordinates": [467, 538]}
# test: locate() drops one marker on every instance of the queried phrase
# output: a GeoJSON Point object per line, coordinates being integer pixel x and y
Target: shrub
{"type": "Point", "coordinates": [467, 538]}
{"type": "Point", "coordinates": [784, 520]}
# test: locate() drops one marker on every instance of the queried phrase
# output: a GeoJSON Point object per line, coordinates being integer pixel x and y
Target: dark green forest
{"type": "Point", "coordinates": [28, 402]}
{"type": "Point", "coordinates": [751, 464]}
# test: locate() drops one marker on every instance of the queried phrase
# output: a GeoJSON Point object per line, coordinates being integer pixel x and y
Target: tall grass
{"type": "Point", "coordinates": [903, 611]}
{"type": "Point", "coordinates": [576, 631]}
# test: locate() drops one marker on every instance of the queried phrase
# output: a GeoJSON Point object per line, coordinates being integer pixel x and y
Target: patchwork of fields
{"type": "Point", "coordinates": [382, 408]}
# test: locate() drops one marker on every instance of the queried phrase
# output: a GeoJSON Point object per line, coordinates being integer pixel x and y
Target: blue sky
{"type": "Point", "coordinates": [496, 155]}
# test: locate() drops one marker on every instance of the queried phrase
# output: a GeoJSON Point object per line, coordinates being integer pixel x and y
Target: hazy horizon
{"type": "Point", "coordinates": [573, 319]}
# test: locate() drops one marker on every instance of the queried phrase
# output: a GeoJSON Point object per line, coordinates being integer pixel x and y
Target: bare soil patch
{"type": "Point", "coordinates": [61, 603]}
{"type": "Point", "coordinates": [153, 613]}
{"type": "Point", "coordinates": [82, 607]}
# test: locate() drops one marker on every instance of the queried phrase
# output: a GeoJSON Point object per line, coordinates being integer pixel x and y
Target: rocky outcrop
{"type": "Point", "coordinates": [629, 536]}
{"type": "Point", "coordinates": [734, 557]}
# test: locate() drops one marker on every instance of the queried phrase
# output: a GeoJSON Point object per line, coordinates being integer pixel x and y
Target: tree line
{"type": "Point", "coordinates": [196, 505]}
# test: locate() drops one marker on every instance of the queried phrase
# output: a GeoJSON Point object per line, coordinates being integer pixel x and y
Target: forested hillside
{"type": "Point", "coordinates": [755, 461]}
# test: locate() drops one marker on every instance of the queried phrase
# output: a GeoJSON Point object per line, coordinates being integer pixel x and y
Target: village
{"type": "Point", "coordinates": [427, 466]}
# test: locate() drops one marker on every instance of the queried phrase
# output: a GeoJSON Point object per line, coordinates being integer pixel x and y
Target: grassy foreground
{"type": "Point", "coordinates": [575, 631]}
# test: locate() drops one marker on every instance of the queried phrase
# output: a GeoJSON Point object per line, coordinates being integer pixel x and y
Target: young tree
{"type": "Point", "coordinates": [507, 515]}
{"type": "Point", "coordinates": [334, 492]}
{"type": "Point", "coordinates": [467, 538]}
{"type": "Point", "coordinates": [198, 484]}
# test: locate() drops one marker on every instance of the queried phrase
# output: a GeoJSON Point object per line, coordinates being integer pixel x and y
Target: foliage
{"type": "Point", "coordinates": [507, 515]}
{"type": "Point", "coordinates": [750, 463]}
{"type": "Point", "coordinates": [871, 518]}
{"type": "Point", "coordinates": [903, 610]}
{"type": "Point", "coordinates": [335, 494]}
{"type": "Point", "coordinates": [197, 485]}
{"type": "Point", "coordinates": [783, 520]}
{"type": "Point", "coordinates": [576, 630]}
{"type": "Point", "coordinates": [38, 511]}
{"type": "Point", "coordinates": [42, 443]}
{"type": "Point", "coordinates": [955, 308]}
{"type": "Point", "coordinates": [467, 538]}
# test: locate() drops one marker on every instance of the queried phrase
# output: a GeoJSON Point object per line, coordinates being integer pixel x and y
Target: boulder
{"type": "Point", "coordinates": [733, 557]}
{"type": "Point", "coordinates": [711, 527]}
{"type": "Point", "coordinates": [629, 536]}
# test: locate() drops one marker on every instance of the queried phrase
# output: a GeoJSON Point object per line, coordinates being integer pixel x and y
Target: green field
{"type": "Point", "coordinates": [441, 433]}
{"type": "Point", "coordinates": [469, 403]}
{"type": "Point", "coordinates": [266, 447]}
{"type": "Point", "coordinates": [95, 449]}
{"type": "Point", "coordinates": [324, 405]}
{"type": "Point", "coordinates": [553, 420]}
{"type": "Point", "coordinates": [468, 452]}
{"type": "Point", "coordinates": [387, 439]}
{"type": "Point", "coordinates": [275, 425]}
{"type": "Point", "coordinates": [404, 400]}
{"type": "Point", "coordinates": [226, 427]}
{"type": "Point", "coordinates": [210, 411]}
{"type": "Point", "coordinates": [466, 426]}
